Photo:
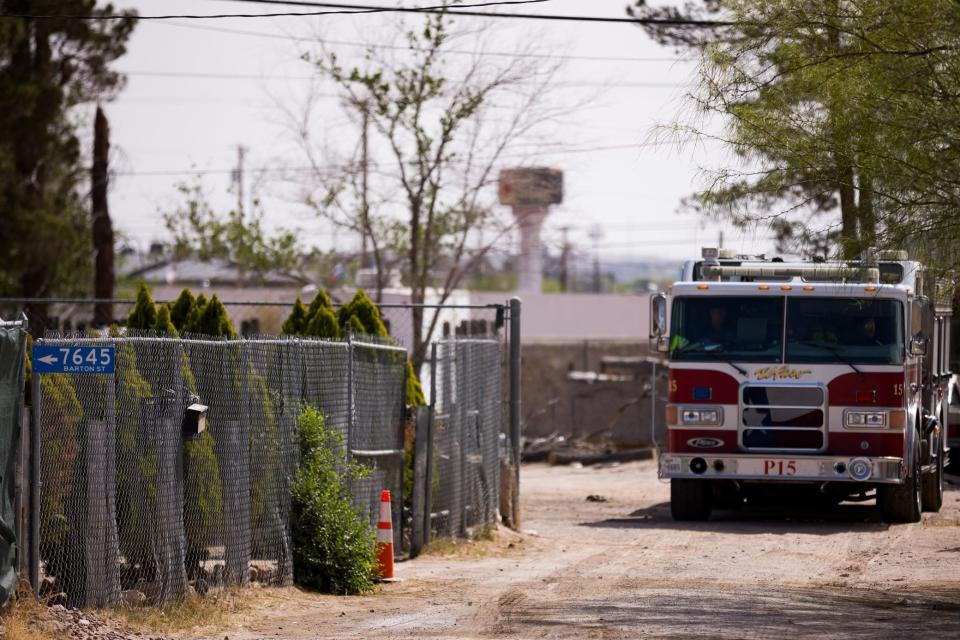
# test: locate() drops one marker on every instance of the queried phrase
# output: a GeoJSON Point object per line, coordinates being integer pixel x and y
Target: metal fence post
{"type": "Point", "coordinates": [34, 573]}
{"type": "Point", "coordinates": [350, 446]}
{"type": "Point", "coordinates": [428, 484]}
{"type": "Point", "coordinates": [515, 406]}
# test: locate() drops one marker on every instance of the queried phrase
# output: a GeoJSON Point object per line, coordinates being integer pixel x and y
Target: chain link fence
{"type": "Point", "coordinates": [460, 441]}
{"type": "Point", "coordinates": [130, 501]}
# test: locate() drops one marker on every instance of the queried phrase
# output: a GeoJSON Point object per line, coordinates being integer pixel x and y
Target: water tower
{"type": "Point", "coordinates": [530, 191]}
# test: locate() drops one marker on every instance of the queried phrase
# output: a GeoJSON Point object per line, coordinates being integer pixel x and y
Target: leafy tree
{"type": "Point", "coordinates": [834, 108]}
{"type": "Point", "coordinates": [49, 66]}
{"type": "Point", "coordinates": [428, 121]}
{"type": "Point", "coordinates": [237, 236]}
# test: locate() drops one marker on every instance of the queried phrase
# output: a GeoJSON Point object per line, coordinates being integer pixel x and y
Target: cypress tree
{"type": "Point", "coordinates": [296, 322]}
{"type": "Point", "coordinates": [164, 324]}
{"type": "Point", "coordinates": [144, 313]}
{"type": "Point", "coordinates": [323, 324]}
{"type": "Point", "coordinates": [180, 310]}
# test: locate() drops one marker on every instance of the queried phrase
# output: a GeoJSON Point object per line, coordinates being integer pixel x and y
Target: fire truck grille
{"type": "Point", "coordinates": [777, 417]}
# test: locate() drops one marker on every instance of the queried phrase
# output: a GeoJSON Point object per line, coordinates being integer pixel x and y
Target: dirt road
{"type": "Point", "coordinates": [622, 568]}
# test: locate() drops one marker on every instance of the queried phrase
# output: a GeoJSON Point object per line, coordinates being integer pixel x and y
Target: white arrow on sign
{"type": "Point", "coordinates": [48, 360]}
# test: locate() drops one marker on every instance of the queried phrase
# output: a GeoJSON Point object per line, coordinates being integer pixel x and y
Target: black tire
{"type": "Point", "coordinates": [690, 500]}
{"type": "Point", "coordinates": [932, 491]}
{"type": "Point", "coordinates": [901, 502]}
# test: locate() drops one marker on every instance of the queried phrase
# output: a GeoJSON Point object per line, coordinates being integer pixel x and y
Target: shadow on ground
{"type": "Point", "coordinates": [739, 613]}
{"type": "Point", "coordinates": [758, 519]}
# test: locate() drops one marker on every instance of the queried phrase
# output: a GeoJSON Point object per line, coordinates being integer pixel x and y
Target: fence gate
{"type": "Point", "coordinates": [457, 470]}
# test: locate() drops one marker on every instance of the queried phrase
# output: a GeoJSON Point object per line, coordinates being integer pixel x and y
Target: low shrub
{"type": "Point", "coordinates": [333, 545]}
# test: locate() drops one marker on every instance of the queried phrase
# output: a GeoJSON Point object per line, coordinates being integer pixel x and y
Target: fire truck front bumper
{"type": "Point", "coordinates": [780, 468]}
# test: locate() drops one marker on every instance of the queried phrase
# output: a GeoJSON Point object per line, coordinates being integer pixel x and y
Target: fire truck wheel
{"type": "Point", "coordinates": [933, 487]}
{"type": "Point", "coordinates": [726, 495]}
{"type": "Point", "coordinates": [901, 502]}
{"type": "Point", "coordinates": [690, 499]}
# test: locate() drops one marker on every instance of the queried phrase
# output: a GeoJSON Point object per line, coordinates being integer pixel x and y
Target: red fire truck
{"type": "Point", "coordinates": [824, 378]}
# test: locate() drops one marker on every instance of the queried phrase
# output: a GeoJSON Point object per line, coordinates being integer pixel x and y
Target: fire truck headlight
{"type": "Point", "coordinates": [875, 419]}
{"type": "Point", "coordinates": [860, 469]}
{"type": "Point", "coordinates": [705, 417]}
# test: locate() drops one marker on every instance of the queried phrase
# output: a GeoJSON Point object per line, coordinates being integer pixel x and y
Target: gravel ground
{"type": "Point", "coordinates": [619, 567]}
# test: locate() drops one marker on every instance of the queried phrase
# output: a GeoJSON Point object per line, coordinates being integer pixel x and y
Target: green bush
{"type": "Point", "coordinates": [323, 324]}
{"type": "Point", "coordinates": [192, 323]}
{"type": "Point", "coordinates": [296, 322]}
{"type": "Point", "coordinates": [333, 545]}
{"type": "Point", "coordinates": [320, 301]}
{"type": "Point", "coordinates": [58, 458]}
{"type": "Point", "coordinates": [136, 486]}
{"type": "Point", "coordinates": [366, 314]}
{"type": "Point", "coordinates": [144, 313]}
{"type": "Point", "coordinates": [212, 319]}
{"type": "Point", "coordinates": [164, 323]}
{"type": "Point", "coordinates": [202, 499]}
{"type": "Point", "coordinates": [181, 308]}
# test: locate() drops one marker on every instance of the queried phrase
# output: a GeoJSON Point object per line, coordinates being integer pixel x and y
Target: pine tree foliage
{"type": "Point", "coordinates": [180, 310]}
{"type": "Point", "coordinates": [143, 316]}
{"type": "Point", "coordinates": [296, 322]}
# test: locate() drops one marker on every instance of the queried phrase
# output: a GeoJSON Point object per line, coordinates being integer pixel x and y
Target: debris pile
{"type": "Point", "coordinates": [587, 450]}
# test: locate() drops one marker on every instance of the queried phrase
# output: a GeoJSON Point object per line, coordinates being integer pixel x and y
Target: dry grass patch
{"type": "Point", "coordinates": [211, 612]}
{"type": "Point", "coordinates": [484, 542]}
{"type": "Point", "coordinates": [26, 619]}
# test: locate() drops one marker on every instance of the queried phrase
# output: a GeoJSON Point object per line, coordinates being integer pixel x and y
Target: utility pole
{"type": "Point", "coordinates": [238, 176]}
{"type": "Point", "coordinates": [364, 194]}
{"type": "Point", "coordinates": [564, 260]}
{"type": "Point", "coordinates": [596, 234]}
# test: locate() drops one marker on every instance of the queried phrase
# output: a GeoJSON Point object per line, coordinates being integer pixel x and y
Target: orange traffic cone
{"type": "Point", "coordinates": [385, 538]}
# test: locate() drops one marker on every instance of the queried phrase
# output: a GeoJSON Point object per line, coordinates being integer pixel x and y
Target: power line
{"type": "Point", "coordinates": [348, 43]}
{"type": "Point", "coordinates": [354, 9]}
{"type": "Point", "coordinates": [200, 172]}
{"type": "Point", "coordinates": [344, 9]}
{"type": "Point", "coordinates": [201, 75]}
{"type": "Point", "coordinates": [455, 10]}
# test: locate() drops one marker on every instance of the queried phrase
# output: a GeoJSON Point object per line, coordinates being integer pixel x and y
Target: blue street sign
{"type": "Point", "coordinates": [73, 359]}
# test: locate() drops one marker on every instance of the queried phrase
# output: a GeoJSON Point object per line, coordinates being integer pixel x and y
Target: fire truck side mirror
{"type": "Point", "coordinates": [658, 316]}
{"type": "Point", "coordinates": [918, 346]}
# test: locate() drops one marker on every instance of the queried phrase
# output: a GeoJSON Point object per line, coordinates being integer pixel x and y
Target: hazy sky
{"type": "Point", "coordinates": [194, 93]}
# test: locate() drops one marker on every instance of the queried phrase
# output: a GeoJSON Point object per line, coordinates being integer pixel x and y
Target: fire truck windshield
{"type": "Point", "coordinates": [847, 330]}
{"type": "Point", "coordinates": [731, 328]}
{"type": "Point", "coordinates": [818, 330]}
